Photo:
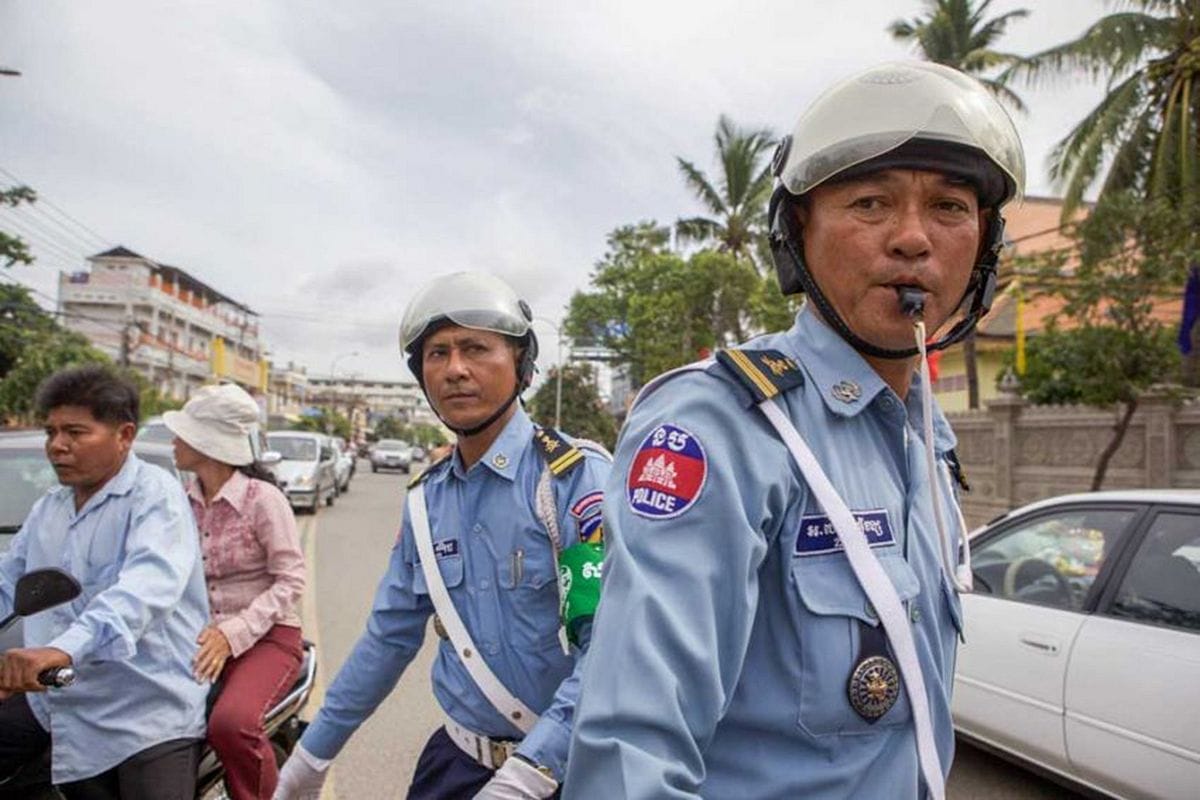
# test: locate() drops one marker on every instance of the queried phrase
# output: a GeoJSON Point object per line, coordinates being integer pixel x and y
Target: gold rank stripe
{"type": "Point", "coordinates": [565, 461]}
{"type": "Point", "coordinates": [752, 372]}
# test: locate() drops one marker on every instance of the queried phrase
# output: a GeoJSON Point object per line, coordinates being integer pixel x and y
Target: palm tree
{"type": "Point", "coordinates": [1146, 129]}
{"type": "Point", "coordinates": [738, 203]}
{"type": "Point", "coordinates": [955, 33]}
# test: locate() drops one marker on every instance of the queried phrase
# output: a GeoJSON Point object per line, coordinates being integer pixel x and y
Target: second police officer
{"type": "Point", "coordinates": [485, 534]}
{"type": "Point", "coordinates": [784, 544]}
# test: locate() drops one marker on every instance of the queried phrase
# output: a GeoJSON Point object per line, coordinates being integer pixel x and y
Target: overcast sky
{"type": "Point", "coordinates": [318, 161]}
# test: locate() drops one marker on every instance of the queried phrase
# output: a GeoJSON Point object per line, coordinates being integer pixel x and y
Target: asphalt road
{"type": "Point", "coordinates": [348, 548]}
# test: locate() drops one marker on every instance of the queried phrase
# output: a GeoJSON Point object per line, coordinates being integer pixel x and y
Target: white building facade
{"type": "Point", "coordinates": [171, 327]}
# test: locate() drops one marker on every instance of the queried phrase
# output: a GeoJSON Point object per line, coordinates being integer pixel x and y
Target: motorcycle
{"type": "Point", "coordinates": [42, 589]}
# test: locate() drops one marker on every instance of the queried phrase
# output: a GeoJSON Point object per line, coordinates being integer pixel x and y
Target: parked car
{"type": "Point", "coordinates": [1082, 641]}
{"type": "Point", "coordinates": [418, 453]}
{"type": "Point", "coordinates": [391, 454]}
{"type": "Point", "coordinates": [26, 474]}
{"type": "Point", "coordinates": [305, 471]}
{"type": "Point", "coordinates": [155, 430]}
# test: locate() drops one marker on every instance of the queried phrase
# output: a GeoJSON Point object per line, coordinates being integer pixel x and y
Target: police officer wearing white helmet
{"type": "Point", "coordinates": [785, 547]}
{"type": "Point", "coordinates": [487, 533]}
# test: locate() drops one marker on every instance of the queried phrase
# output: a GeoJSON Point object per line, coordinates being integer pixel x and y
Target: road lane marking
{"type": "Point", "coordinates": [311, 628]}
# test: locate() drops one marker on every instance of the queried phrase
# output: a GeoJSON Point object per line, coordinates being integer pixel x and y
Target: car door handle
{"type": "Point", "coordinates": [1040, 643]}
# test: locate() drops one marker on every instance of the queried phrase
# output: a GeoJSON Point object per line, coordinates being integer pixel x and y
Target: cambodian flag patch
{"type": "Point", "coordinates": [589, 518]}
{"type": "Point", "coordinates": [667, 473]}
{"type": "Point", "coordinates": [818, 537]}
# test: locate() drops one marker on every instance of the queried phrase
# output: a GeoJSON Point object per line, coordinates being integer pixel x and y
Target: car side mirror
{"type": "Point", "coordinates": [326, 453]}
{"type": "Point", "coordinates": [270, 458]}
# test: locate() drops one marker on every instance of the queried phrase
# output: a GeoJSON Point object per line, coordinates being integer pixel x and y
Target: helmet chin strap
{"type": "Point", "coordinates": [785, 241]}
{"type": "Point", "coordinates": [483, 425]}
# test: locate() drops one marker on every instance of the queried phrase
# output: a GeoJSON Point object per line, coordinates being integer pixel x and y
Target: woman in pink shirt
{"type": "Point", "coordinates": [255, 574]}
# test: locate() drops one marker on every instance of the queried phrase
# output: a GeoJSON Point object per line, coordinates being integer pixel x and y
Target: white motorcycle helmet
{"type": "Point", "coordinates": [474, 300]}
{"type": "Point", "coordinates": [904, 115]}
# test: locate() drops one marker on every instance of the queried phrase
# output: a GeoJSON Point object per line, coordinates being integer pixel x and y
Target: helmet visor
{"type": "Point", "coordinates": [470, 299]}
{"type": "Point", "coordinates": [876, 111]}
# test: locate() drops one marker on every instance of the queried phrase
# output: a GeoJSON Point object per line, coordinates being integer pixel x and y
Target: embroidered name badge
{"type": "Point", "coordinates": [667, 474]}
{"type": "Point", "coordinates": [588, 517]}
{"type": "Point", "coordinates": [818, 537]}
{"type": "Point", "coordinates": [445, 548]}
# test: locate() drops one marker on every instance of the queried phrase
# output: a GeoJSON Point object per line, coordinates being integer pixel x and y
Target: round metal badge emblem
{"type": "Point", "coordinates": [874, 687]}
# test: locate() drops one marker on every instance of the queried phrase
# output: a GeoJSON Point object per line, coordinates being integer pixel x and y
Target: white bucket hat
{"type": "Point", "coordinates": [217, 422]}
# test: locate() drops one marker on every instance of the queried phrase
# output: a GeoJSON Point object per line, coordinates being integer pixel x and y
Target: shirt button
{"type": "Point", "coordinates": [871, 611]}
{"type": "Point", "coordinates": [915, 614]}
{"type": "Point", "coordinates": [485, 584]}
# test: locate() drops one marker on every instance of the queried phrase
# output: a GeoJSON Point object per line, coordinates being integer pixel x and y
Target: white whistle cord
{"type": "Point", "coordinates": [960, 573]}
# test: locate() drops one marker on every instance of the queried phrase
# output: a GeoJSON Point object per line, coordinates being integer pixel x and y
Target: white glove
{"type": "Point", "coordinates": [302, 776]}
{"type": "Point", "coordinates": [517, 780]}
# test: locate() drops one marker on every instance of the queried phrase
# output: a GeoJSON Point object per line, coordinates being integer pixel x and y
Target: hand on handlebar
{"type": "Point", "coordinates": [20, 668]}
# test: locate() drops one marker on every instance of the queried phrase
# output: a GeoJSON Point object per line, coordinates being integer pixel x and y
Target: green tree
{"type": "Point", "coordinates": [42, 355]}
{"type": "Point", "coordinates": [332, 423]}
{"type": "Point", "coordinates": [584, 413]}
{"type": "Point", "coordinates": [1129, 256]}
{"type": "Point", "coordinates": [21, 321]}
{"type": "Point", "coordinates": [13, 250]}
{"type": "Point", "coordinates": [957, 34]}
{"type": "Point", "coordinates": [1144, 135]}
{"type": "Point", "coordinates": [658, 310]}
{"type": "Point", "coordinates": [737, 202]}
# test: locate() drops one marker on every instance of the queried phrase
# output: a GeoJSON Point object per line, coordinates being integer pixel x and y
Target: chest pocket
{"type": "Point", "coordinates": [450, 564]}
{"type": "Point", "coordinates": [832, 606]}
{"type": "Point", "coordinates": [529, 589]}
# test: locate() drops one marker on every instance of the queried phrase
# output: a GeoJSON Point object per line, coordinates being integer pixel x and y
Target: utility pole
{"type": "Point", "coordinates": [125, 329]}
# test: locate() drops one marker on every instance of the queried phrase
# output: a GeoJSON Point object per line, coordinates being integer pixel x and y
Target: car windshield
{"type": "Point", "coordinates": [293, 448]}
{"type": "Point", "coordinates": [25, 475]}
{"type": "Point", "coordinates": [391, 444]}
{"type": "Point", "coordinates": [155, 432]}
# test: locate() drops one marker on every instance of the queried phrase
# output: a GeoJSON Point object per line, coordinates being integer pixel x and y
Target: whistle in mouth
{"type": "Point", "coordinates": [912, 301]}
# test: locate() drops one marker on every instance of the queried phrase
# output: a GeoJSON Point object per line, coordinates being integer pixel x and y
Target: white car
{"type": "Point", "coordinates": [1082, 641]}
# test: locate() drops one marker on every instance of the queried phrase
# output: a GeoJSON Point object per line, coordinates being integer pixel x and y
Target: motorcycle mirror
{"type": "Point", "coordinates": [43, 589]}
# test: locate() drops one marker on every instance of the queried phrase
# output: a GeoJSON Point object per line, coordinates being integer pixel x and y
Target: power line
{"type": "Point", "coordinates": [37, 234]}
{"type": "Point", "coordinates": [42, 199]}
{"type": "Point", "coordinates": [53, 225]}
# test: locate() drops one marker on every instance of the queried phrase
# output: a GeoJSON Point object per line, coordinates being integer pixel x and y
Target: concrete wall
{"type": "Point", "coordinates": [1013, 453]}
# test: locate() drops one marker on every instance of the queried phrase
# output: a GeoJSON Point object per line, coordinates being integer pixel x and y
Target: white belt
{"type": "Point", "coordinates": [490, 753]}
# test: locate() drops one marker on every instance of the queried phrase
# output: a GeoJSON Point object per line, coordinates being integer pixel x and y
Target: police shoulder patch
{"type": "Point", "coordinates": [667, 474]}
{"type": "Point", "coordinates": [764, 373]}
{"type": "Point", "coordinates": [560, 455]}
{"type": "Point", "coordinates": [589, 519]}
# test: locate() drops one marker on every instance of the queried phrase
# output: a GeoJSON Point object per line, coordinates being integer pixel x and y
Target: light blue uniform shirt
{"type": "Point", "coordinates": [497, 562]}
{"type": "Point", "coordinates": [725, 639]}
{"type": "Point", "coordinates": [132, 633]}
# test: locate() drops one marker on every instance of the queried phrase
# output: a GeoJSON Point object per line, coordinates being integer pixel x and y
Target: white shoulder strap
{"type": "Point", "coordinates": [879, 590]}
{"type": "Point", "coordinates": [497, 694]}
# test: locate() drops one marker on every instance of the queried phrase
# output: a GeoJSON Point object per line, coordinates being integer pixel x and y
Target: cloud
{"type": "Point", "coordinates": [319, 161]}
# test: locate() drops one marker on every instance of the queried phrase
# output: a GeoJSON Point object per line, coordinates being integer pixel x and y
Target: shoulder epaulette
{"type": "Point", "coordinates": [561, 456]}
{"type": "Point", "coordinates": [764, 373]}
{"type": "Point", "coordinates": [425, 473]}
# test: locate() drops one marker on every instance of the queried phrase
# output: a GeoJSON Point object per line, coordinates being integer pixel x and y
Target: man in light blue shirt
{"type": "Point", "coordinates": [131, 725]}
{"type": "Point", "coordinates": [736, 653]}
{"type": "Point", "coordinates": [509, 507]}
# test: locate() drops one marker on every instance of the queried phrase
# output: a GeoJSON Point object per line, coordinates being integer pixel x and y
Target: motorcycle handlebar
{"type": "Point", "coordinates": [57, 677]}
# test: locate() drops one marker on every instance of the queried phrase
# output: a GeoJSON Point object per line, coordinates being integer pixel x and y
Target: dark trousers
{"type": "Point", "coordinates": [445, 772]}
{"type": "Point", "coordinates": [250, 685]}
{"type": "Point", "coordinates": [165, 771]}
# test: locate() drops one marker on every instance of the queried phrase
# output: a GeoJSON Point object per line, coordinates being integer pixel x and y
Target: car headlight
{"type": "Point", "coordinates": [303, 481]}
